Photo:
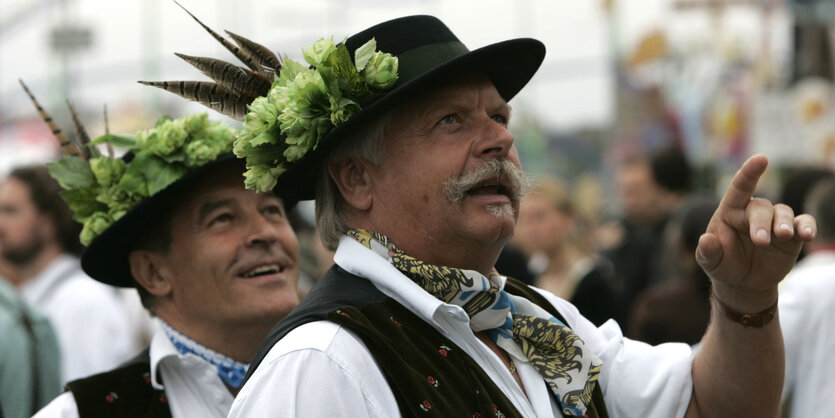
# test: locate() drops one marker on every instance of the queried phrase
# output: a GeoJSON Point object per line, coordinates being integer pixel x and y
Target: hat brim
{"type": "Point", "coordinates": [106, 258]}
{"type": "Point", "coordinates": [509, 65]}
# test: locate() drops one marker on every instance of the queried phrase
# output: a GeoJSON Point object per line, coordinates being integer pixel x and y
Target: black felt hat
{"type": "Point", "coordinates": [106, 258]}
{"type": "Point", "coordinates": [428, 53]}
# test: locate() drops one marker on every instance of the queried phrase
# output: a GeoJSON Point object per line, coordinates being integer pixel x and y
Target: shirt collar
{"type": "Point", "coordinates": [358, 260]}
{"type": "Point", "coordinates": [161, 348]}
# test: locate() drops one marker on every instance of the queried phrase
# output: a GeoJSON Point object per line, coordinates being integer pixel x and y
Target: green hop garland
{"type": "Point", "coordinates": [305, 104]}
{"type": "Point", "coordinates": [103, 189]}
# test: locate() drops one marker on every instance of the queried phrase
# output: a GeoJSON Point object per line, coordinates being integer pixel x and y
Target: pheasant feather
{"type": "Point", "coordinates": [232, 77]}
{"type": "Point", "coordinates": [208, 94]}
{"type": "Point", "coordinates": [110, 151]}
{"type": "Point", "coordinates": [80, 132]}
{"type": "Point", "coordinates": [68, 147]}
{"type": "Point", "coordinates": [269, 62]}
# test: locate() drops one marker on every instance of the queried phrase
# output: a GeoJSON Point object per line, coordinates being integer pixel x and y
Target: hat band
{"type": "Point", "coordinates": [418, 61]}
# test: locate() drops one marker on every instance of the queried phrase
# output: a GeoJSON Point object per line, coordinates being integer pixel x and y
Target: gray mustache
{"type": "Point", "coordinates": [517, 182]}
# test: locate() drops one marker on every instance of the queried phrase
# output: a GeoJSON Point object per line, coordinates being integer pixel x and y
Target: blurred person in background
{"type": "Point", "coordinates": [39, 242]}
{"type": "Point", "coordinates": [555, 237]}
{"type": "Point", "coordinates": [678, 310]}
{"type": "Point", "coordinates": [30, 373]}
{"type": "Point", "coordinates": [807, 311]}
{"type": "Point", "coordinates": [216, 264]}
{"type": "Point", "coordinates": [314, 258]}
{"type": "Point", "coordinates": [796, 185]}
{"type": "Point", "coordinates": [513, 262]}
{"type": "Point", "coordinates": [651, 189]}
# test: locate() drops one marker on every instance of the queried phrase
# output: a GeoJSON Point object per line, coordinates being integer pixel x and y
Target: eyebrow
{"type": "Point", "coordinates": [210, 206]}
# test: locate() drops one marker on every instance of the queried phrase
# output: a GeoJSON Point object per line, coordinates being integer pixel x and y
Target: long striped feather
{"type": "Point", "coordinates": [242, 55]}
{"type": "Point", "coordinates": [110, 152]}
{"type": "Point", "coordinates": [80, 132]}
{"type": "Point", "coordinates": [208, 94]}
{"type": "Point", "coordinates": [232, 77]}
{"type": "Point", "coordinates": [68, 147]}
{"type": "Point", "coordinates": [269, 62]}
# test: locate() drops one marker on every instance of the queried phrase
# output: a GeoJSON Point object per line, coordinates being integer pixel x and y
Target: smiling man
{"type": "Point", "coordinates": [216, 264]}
{"type": "Point", "coordinates": [401, 135]}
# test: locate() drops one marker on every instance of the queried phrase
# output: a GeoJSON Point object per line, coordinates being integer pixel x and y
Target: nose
{"type": "Point", "coordinates": [494, 140]}
{"type": "Point", "coordinates": [261, 231]}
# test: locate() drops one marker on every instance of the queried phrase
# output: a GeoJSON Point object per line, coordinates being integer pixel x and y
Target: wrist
{"type": "Point", "coordinates": [744, 300]}
{"type": "Point", "coordinates": [751, 309]}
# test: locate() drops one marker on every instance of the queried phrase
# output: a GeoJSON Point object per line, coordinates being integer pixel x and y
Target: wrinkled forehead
{"type": "Point", "coordinates": [224, 183]}
{"type": "Point", "coordinates": [457, 93]}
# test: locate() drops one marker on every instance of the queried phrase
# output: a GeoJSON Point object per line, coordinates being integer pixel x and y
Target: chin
{"type": "Point", "coordinates": [501, 211]}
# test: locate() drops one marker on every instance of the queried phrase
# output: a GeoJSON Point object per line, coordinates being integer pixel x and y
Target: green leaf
{"type": "Point", "coordinates": [72, 173]}
{"type": "Point", "coordinates": [83, 202]}
{"type": "Point", "coordinates": [263, 139]}
{"type": "Point", "coordinates": [264, 154]}
{"type": "Point", "coordinates": [364, 53]}
{"type": "Point", "coordinates": [117, 140]}
{"type": "Point", "coordinates": [162, 119]}
{"type": "Point", "coordinates": [147, 174]}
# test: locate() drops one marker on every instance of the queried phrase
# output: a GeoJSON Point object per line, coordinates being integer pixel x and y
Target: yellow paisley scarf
{"type": "Point", "coordinates": [527, 332]}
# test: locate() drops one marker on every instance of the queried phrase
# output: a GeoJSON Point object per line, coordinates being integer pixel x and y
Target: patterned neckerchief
{"type": "Point", "coordinates": [230, 371]}
{"type": "Point", "coordinates": [527, 332]}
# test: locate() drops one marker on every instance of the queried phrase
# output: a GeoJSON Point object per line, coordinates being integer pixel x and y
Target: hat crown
{"type": "Point", "coordinates": [398, 36]}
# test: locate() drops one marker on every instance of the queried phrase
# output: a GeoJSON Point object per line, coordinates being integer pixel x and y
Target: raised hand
{"type": "Point", "coordinates": [750, 243]}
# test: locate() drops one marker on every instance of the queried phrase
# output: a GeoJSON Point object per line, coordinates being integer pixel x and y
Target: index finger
{"type": "Point", "coordinates": [744, 183]}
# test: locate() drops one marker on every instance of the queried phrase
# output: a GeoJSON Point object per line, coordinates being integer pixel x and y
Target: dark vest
{"type": "Point", "coordinates": [427, 373]}
{"type": "Point", "coordinates": [123, 392]}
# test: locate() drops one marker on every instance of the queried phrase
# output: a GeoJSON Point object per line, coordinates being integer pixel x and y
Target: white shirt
{"type": "Point", "coordinates": [807, 310]}
{"type": "Point", "coordinates": [323, 370]}
{"type": "Point", "coordinates": [89, 318]}
{"type": "Point", "coordinates": [191, 384]}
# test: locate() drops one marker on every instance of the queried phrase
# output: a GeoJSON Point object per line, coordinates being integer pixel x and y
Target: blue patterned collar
{"type": "Point", "coordinates": [230, 371]}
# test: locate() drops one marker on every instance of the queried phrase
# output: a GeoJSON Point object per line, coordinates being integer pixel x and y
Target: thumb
{"type": "Point", "coordinates": [709, 252]}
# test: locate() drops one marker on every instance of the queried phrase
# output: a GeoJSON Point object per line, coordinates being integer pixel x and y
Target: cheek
{"type": "Point", "coordinates": [289, 241]}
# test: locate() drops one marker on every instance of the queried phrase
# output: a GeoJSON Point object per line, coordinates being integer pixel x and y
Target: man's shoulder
{"type": "Point", "coordinates": [323, 336]}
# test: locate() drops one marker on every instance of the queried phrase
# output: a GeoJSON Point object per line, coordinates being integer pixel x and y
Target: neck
{"type": "Point", "coordinates": [563, 258]}
{"type": "Point", "coordinates": [457, 252]}
{"type": "Point", "coordinates": [239, 342]}
{"type": "Point", "coordinates": [18, 274]}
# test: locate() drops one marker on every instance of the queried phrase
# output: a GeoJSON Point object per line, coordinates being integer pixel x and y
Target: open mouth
{"type": "Point", "coordinates": [490, 188]}
{"type": "Point", "coordinates": [262, 271]}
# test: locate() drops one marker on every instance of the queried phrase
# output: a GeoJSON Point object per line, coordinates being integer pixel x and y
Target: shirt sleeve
{"type": "Point", "coordinates": [63, 406]}
{"type": "Point", "coordinates": [637, 379]}
{"type": "Point", "coordinates": [294, 381]}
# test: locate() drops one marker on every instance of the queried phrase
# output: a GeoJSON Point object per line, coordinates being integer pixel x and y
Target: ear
{"type": "Point", "coordinates": [354, 182]}
{"type": "Point", "coordinates": [148, 270]}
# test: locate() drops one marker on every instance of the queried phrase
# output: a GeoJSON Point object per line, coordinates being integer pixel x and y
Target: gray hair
{"type": "Point", "coordinates": [366, 143]}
